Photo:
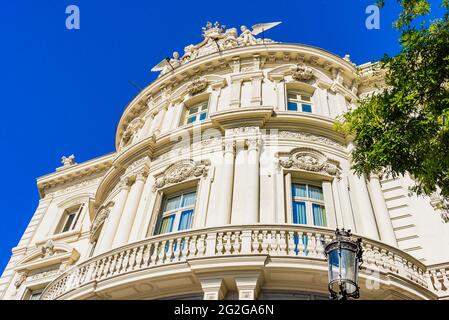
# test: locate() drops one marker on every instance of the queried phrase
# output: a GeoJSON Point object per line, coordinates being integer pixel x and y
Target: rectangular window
{"type": "Point", "coordinates": [177, 213]}
{"type": "Point", "coordinates": [69, 219]}
{"type": "Point", "coordinates": [308, 201]}
{"type": "Point", "coordinates": [197, 113]}
{"type": "Point", "coordinates": [299, 101]}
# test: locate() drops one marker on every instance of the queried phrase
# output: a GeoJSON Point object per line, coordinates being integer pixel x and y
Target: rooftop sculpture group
{"type": "Point", "coordinates": [216, 38]}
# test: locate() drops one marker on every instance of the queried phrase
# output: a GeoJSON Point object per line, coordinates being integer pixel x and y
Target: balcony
{"type": "Point", "coordinates": [287, 249]}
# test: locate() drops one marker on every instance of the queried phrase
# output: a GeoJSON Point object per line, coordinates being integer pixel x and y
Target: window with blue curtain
{"type": "Point", "coordinates": [308, 201]}
{"type": "Point", "coordinates": [177, 213]}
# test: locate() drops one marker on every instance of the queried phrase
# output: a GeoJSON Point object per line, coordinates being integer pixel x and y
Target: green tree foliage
{"type": "Point", "coordinates": [405, 126]}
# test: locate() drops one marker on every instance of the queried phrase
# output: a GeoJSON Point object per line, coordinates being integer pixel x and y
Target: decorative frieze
{"type": "Point", "coordinates": [181, 171]}
{"type": "Point", "coordinates": [305, 136]}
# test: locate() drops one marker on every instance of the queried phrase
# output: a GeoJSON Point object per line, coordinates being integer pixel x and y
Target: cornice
{"type": "Point", "coordinates": [74, 173]}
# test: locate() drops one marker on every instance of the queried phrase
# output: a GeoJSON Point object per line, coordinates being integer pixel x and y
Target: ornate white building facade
{"type": "Point", "coordinates": [227, 181]}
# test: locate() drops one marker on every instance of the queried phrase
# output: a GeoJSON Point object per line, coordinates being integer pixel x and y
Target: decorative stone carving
{"type": "Point", "coordinates": [130, 132]}
{"type": "Point", "coordinates": [48, 249]}
{"type": "Point", "coordinates": [440, 204]}
{"type": "Point", "coordinates": [197, 86]}
{"type": "Point", "coordinates": [310, 160]}
{"type": "Point", "coordinates": [20, 280]}
{"type": "Point", "coordinates": [302, 73]}
{"type": "Point", "coordinates": [181, 171]}
{"type": "Point", "coordinates": [216, 38]}
{"type": "Point", "coordinates": [305, 136]}
{"type": "Point", "coordinates": [68, 161]}
{"type": "Point", "coordinates": [100, 218]}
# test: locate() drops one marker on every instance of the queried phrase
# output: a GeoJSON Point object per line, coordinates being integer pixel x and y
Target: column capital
{"type": "Point", "coordinates": [229, 146]}
{"type": "Point", "coordinates": [253, 143]}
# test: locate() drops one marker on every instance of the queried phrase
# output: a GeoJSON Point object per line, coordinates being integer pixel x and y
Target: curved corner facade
{"type": "Point", "coordinates": [227, 181]}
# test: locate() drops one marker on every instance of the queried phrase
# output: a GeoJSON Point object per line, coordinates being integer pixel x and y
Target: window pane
{"type": "Point", "coordinates": [191, 119]}
{"type": "Point", "coordinates": [35, 295]}
{"type": "Point", "coordinates": [172, 204]}
{"type": "Point", "coordinates": [292, 96]}
{"type": "Point", "coordinates": [167, 224]}
{"type": "Point", "coordinates": [299, 213]}
{"type": "Point", "coordinates": [203, 116]}
{"type": "Point", "coordinates": [305, 98]}
{"type": "Point", "coordinates": [68, 223]}
{"type": "Point", "coordinates": [204, 107]}
{"type": "Point", "coordinates": [299, 190]}
{"type": "Point", "coordinates": [315, 193]}
{"type": "Point", "coordinates": [193, 110]}
{"type": "Point", "coordinates": [292, 106]}
{"type": "Point", "coordinates": [306, 108]}
{"type": "Point", "coordinates": [319, 215]}
{"type": "Point", "coordinates": [185, 222]}
{"type": "Point", "coordinates": [188, 199]}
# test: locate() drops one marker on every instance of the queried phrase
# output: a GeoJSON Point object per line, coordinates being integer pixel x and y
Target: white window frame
{"type": "Point", "coordinates": [200, 106]}
{"type": "Point", "coordinates": [308, 201]}
{"type": "Point", "coordinates": [299, 100]}
{"type": "Point", "coordinates": [177, 212]}
{"type": "Point", "coordinates": [76, 211]}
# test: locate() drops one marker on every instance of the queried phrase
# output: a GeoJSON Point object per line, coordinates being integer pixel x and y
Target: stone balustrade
{"type": "Point", "coordinates": [439, 279]}
{"type": "Point", "coordinates": [292, 241]}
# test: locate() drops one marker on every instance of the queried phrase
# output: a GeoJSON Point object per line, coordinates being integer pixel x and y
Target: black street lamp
{"type": "Point", "coordinates": [344, 257]}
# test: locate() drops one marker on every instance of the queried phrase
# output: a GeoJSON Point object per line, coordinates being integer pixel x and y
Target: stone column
{"type": "Point", "coordinates": [112, 223]}
{"type": "Point", "coordinates": [253, 180]}
{"type": "Point", "coordinates": [223, 215]}
{"type": "Point", "coordinates": [381, 211]}
{"type": "Point", "coordinates": [236, 87]}
{"type": "Point", "coordinates": [256, 96]}
{"type": "Point", "coordinates": [129, 213]}
{"type": "Point", "coordinates": [366, 213]}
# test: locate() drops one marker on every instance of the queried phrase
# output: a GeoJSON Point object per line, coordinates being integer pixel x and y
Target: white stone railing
{"type": "Point", "coordinates": [300, 242]}
{"type": "Point", "coordinates": [439, 279]}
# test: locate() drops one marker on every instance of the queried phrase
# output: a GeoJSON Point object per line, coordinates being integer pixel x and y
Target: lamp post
{"type": "Point", "coordinates": [344, 257]}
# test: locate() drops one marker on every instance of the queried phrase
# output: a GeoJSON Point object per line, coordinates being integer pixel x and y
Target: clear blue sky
{"type": "Point", "coordinates": [63, 91]}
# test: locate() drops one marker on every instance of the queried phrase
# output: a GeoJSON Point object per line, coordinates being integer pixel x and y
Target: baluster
{"type": "Point", "coordinates": [119, 261]}
{"type": "Point", "coordinates": [227, 245]}
{"type": "Point", "coordinates": [291, 244]}
{"type": "Point", "coordinates": [302, 247]}
{"type": "Point", "coordinates": [162, 251]}
{"type": "Point", "coordinates": [113, 264]}
{"type": "Point", "coordinates": [193, 247]}
{"type": "Point", "coordinates": [445, 279]}
{"type": "Point", "coordinates": [170, 250]}
{"type": "Point", "coordinates": [185, 248]}
{"type": "Point", "coordinates": [139, 257]}
{"type": "Point", "coordinates": [146, 255]}
{"type": "Point", "coordinates": [201, 245]}
{"type": "Point", "coordinates": [155, 253]}
{"type": "Point", "coordinates": [254, 241]}
{"type": "Point", "coordinates": [178, 249]}
{"type": "Point", "coordinates": [220, 243]}
{"type": "Point", "coordinates": [132, 258]}
{"type": "Point", "coordinates": [312, 244]}
{"type": "Point", "coordinates": [436, 282]}
{"type": "Point", "coordinates": [282, 243]}
{"type": "Point", "coordinates": [106, 267]}
{"type": "Point", "coordinates": [125, 261]}
{"type": "Point", "coordinates": [236, 245]}
{"type": "Point", "coordinates": [319, 246]}
{"type": "Point", "coordinates": [265, 242]}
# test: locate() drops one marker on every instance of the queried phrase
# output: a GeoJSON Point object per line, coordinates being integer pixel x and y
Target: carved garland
{"type": "Point", "coordinates": [182, 171]}
{"type": "Point", "coordinates": [310, 160]}
{"type": "Point", "coordinates": [100, 218]}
